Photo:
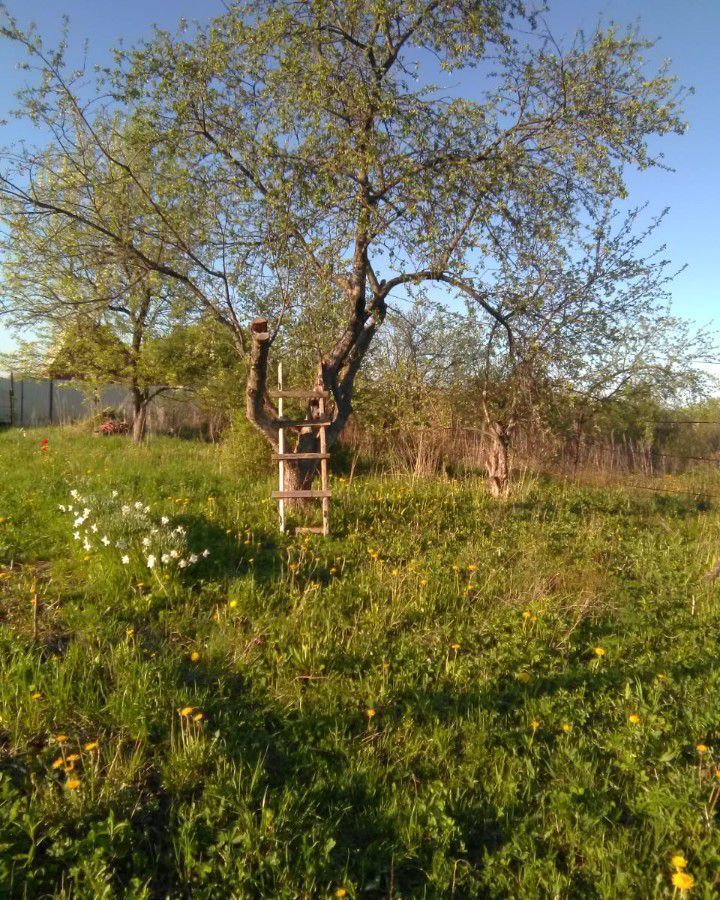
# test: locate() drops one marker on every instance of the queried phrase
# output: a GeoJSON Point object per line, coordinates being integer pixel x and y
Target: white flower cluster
{"type": "Point", "coordinates": [130, 529]}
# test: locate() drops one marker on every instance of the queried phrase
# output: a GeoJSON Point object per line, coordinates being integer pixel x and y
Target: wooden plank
{"type": "Point", "coordinates": [280, 456]}
{"type": "Point", "coordinates": [302, 423]}
{"type": "Point", "coordinates": [324, 476]}
{"type": "Point", "coordinates": [299, 394]}
{"type": "Point", "coordinates": [297, 495]}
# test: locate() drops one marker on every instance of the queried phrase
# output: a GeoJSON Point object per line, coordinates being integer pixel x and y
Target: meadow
{"type": "Point", "coordinates": [452, 696]}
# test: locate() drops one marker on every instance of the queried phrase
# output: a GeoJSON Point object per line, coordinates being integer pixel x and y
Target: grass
{"type": "Point", "coordinates": [415, 707]}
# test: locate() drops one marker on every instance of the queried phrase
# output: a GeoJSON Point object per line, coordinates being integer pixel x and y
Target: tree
{"type": "Point", "coordinates": [329, 178]}
{"type": "Point", "coordinates": [88, 297]}
{"type": "Point", "coordinates": [587, 321]}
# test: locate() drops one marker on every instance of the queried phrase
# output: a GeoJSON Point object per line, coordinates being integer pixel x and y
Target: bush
{"type": "Point", "coordinates": [244, 450]}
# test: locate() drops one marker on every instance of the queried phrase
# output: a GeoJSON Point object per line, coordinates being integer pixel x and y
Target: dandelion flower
{"type": "Point", "coordinates": [186, 710]}
{"type": "Point", "coordinates": [534, 724]}
{"type": "Point", "coordinates": [198, 717]}
{"type": "Point", "coordinates": [523, 676]}
{"type": "Point", "coordinates": [341, 892]}
{"type": "Point", "coordinates": [454, 646]}
{"type": "Point", "coordinates": [232, 604]}
{"type": "Point", "coordinates": [72, 784]}
{"type": "Point", "coordinates": [599, 651]}
{"type": "Point", "coordinates": [472, 567]}
{"type": "Point", "coordinates": [679, 861]}
{"type": "Point", "coordinates": [72, 757]}
{"type": "Point", "coordinates": [566, 727]}
{"type": "Point", "coordinates": [194, 656]}
{"type": "Point", "coordinates": [633, 718]}
{"type": "Point", "coordinates": [91, 746]}
{"type": "Point", "coordinates": [61, 738]}
{"type": "Point", "coordinates": [683, 881]}
{"type": "Point", "coordinates": [370, 713]}
{"type": "Point", "coordinates": [701, 748]}
{"type": "Point", "coordinates": [36, 696]}
{"type": "Point", "coordinates": [58, 762]}
{"type": "Point", "coordinates": [527, 614]}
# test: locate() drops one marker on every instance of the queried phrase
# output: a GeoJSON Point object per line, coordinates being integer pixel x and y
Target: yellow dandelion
{"type": "Point", "coordinates": [341, 892]}
{"type": "Point", "coordinates": [232, 604]}
{"type": "Point", "coordinates": [61, 738]}
{"type": "Point", "coordinates": [198, 717]}
{"type": "Point", "coordinates": [599, 651]}
{"type": "Point", "coordinates": [70, 767]}
{"type": "Point", "coordinates": [370, 713]}
{"type": "Point", "coordinates": [683, 881]}
{"type": "Point", "coordinates": [633, 718]}
{"type": "Point", "coordinates": [534, 724]}
{"type": "Point", "coordinates": [523, 676]}
{"type": "Point", "coordinates": [456, 568]}
{"type": "Point", "coordinates": [395, 572]}
{"type": "Point", "coordinates": [423, 581]}
{"type": "Point", "coordinates": [72, 784]}
{"type": "Point", "coordinates": [527, 614]}
{"type": "Point", "coordinates": [566, 727]}
{"type": "Point", "coordinates": [679, 861]}
{"type": "Point", "coordinates": [36, 696]}
{"type": "Point", "coordinates": [472, 567]}
{"type": "Point", "coordinates": [701, 748]}
{"type": "Point", "coordinates": [58, 762]}
{"type": "Point", "coordinates": [72, 757]}
{"type": "Point", "coordinates": [454, 646]}
{"type": "Point", "coordinates": [194, 656]}
{"type": "Point", "coordinates": [91, 746]}
{"type": "Point", "coordinates": [186, 710]}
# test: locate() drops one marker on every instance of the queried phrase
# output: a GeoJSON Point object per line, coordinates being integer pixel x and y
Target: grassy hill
{"type": "Point", "coordinates": [450, 697]}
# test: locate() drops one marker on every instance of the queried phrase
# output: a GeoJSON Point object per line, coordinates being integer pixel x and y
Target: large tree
{"type": "Point", "coordinates": [331, 171]}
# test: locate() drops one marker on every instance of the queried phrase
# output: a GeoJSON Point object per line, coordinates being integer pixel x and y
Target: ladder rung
{"type": "Point", "coordinates": [292, 495]}
{"type": "Point", "coordinates": [278, 456]}
{"type": "Point", "coordinates": [300, 395]}
{"type": "Point", "coordinates": [302, 423]}
{"type": "Point", "coordinates": [309, 529]}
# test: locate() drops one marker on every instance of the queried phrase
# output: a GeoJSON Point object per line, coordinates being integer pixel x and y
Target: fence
{"type": "Point", "coordinates": [31, 402]}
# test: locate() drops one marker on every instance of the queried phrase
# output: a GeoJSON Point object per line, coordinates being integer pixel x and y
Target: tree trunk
{"type": "Point", "coordinates": [498, 459]}
{"type": "Point", "coordinates": [139, 421]}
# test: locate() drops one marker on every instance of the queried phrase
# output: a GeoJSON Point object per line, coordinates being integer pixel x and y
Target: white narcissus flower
{"type": "Point", "coordinates": [86, 544]}
{"type": "Point", "coordinates": [182, 563]}
{"type": "Point", "coordinates": [174, 554]}
{"type": "Point", "coordinates": [114, 493]}
{"type": "Point", "coordinates": [105, 540]}
{"type": "Point", "coordinates": [206, 552]}
{"type": "Point", "coordinates": [74, 494]}
{"type": "Point", "coordinates": [151, 562]}
{"type": "Point", "coordinates": [137, 504]}
{"type": "Point", "coordinates": [125, 560]}
{"type": "Point", "coordinates": [93, 528]}
{"type": "Point", "coordinates": [76, 535]}
{"type": "Point", "coordinates": [61, 507]}
{"type": "Point", "coordinates": [146, 542]}
{"type": "Point", "coordinates": [164, 520]}
{"type": "Point", "coordinates": [193, 557]}
{"type": "Point", "coordinates": [165, 558]}
{"type": "Point", "coordinates": [125, 510]}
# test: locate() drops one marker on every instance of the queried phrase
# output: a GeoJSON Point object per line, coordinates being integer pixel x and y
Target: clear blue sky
{"type": "Point", "coordinates": [687, 31]}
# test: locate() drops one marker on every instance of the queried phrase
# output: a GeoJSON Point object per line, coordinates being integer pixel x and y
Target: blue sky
{"type": "Point", "coordinates": [686, 30]}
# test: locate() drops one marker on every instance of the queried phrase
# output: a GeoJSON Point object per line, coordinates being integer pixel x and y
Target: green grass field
{"type": "Point", "coordinates": [450, 697]}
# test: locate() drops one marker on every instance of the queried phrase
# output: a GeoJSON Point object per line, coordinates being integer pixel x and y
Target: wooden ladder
{"type": "Point", "coordinates": [324, 494]}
